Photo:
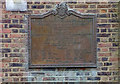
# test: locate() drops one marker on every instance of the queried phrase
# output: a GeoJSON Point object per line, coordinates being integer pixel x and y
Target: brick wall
{"type": "Point", "coordinates": [14, 32]}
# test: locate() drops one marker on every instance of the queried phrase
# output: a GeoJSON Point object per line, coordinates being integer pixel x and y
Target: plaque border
{"type": "Point", "coordinates": [66, 11]}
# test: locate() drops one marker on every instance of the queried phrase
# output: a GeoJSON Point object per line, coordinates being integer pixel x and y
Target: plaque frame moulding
{"type": "Point", "coordinates": [62, 11]}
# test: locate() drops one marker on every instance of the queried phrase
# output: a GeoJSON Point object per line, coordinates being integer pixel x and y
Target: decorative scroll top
{"type": "Point", "coordinates": [62, 9]}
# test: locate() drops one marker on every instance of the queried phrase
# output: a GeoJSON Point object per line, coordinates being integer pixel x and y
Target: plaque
{"type": "Point", "coordinates": [62, 38]}
{"type": "Point", "coordinates": [16, 5]}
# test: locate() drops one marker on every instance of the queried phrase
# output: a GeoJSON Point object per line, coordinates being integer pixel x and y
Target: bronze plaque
{"type": "Point", "coordinates": [62, 38]}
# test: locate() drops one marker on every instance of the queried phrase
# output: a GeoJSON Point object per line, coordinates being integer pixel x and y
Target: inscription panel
{"type": "Point", "coordinates": [62, 42]}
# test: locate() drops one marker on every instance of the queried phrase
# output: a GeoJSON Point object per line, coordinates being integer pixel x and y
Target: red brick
{"type": "Point", "coordinates": [6, 21]}
{"type": "Point", "coordinates": [15, 45]}
{"type": "Point", "coordinates": [103, 6]}
{"type": "Point", "coordinates": [113, 59]}
{"type": "Point", "coordinates": [5, 30]}
{"type": "Point", "coordinates": [104, 49]}
{"type": "Point", "coordinates": [16, 74]}
{"type": "Point", "coordinates": [112, 10]}
{"type": "Point", "coordinates": [1, 26]}
{"type": "Point", "coordinates": [104, 2]}
{"type": "Point", "coordinates": [15, 16]}
{"type": "Point", "coordinates": [81, 6]}
{"type": "Point", "coordinates": [104, 45]}
{"type": "Point", "coordinates": [92, 11]}
{"type": "Point", "coordinates": [81, 10]}
{"type": "Point", "coordinates": [115, 25]}
{"type": "Point", "coordinates": [6, 60]}
{"type": "Point", "coordinates": [23, 60]}
{"type": "Point", "coordinates": [15, 60]}
{"type": "Point", "coordinates": [103, 20]}
{"type": "Point", "coordinates": [104, 54]}
{"type": "Point", "coordinates": [6, 45]}
{"type": "Point", "coordinates": [4, 11]}
{"type": "Point", "coordinates": [36, 12]}
{"type": "Point", "coordinates": [92, 2]}
{"type": "Point", "coordinates": [15, 35]}
{"type": "Point", "coordinates": [4, 64]}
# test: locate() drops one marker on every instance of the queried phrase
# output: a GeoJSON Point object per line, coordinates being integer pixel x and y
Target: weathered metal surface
{"type": "Point", "coordinates": [62, 38]}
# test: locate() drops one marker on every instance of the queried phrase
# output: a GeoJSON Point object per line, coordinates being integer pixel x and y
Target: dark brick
{"type": "Point", "coordinates": [21, 21]}
{"type": "Point", "coordinates": [81, 6]}
{"type": "Point", "coordinates": [15, 30]}
{"type": "Point", "coordinates": [6, 50]}
{"type": "Point", "coordinates": [6, 55]}
{"type": "Point", "coordinates": [23, 31]}
{"type": "Point", "coordinates": [6, 40]}
{"type": "Point", "coordinates": [28, 6]}
{"type": "Point", "coordinates": [6, 74]}
{"type": "Point", "coordinates": [6, 21]}
{"type": "Point", "coordinates": [114, 15]}
{"type": "Point", "coordinates": [115, 25]}
{"type": "Point", "coordinates": [87, 73]}
{"type": "Point", "coordinates": [48, 6]}
{"type": "Point", "coordinates": [40, 7]}
{"type": "Point", "coordinates": [103, 6]}
{"type": "Point", "coordinates": [6, 25]}
{"type": "Point", "coordinates": [15, 65]}
{"type": "Point", "coordinates": [37, 2]}
{"type": "Point", "coordinates": [6, 35]}
{"type": "Point", "coordinates": [103, 30]}
{"type": "Point", "coordinates": [113, 49]}
{"type": "Point", "coordinates": [29, 2]}
{"type": "Point", "coordinates": [72, 2]}
{"type": "Point", "coordinates": [92, 2]}
{"type": "Point", "coordinates": [92, 11]}
{"type": "Point", "coordinates": [24, 79]}
{"type": "Point", "coordinates": [49, 79]}
{"type": "Point", "coordinates": [103, 35]}
{"type": "Point", "coordinates": [93, 78]}
{"type": "Point", "coordinates": [98, 49]}
{"type": "Point", "coordinates": [97, 30]}
{"type": "Point", "coordinates": [16, 74]}
{"type": "Point", "coordinates": [16, 55]}
{"type": "Point", "coordinates": [15, 70]}
{"type": "Point", "coordinates": [103, 15]}
{"type": "Point", "coordinates": [15, 21]}
{"type": "Point", "coordinates": [6, 16]}
{"type": "Point", "coordinates": [104, 59]}
{"type": "Point", "coordinates": [115, 44]}
{"type": "Point", "coordinates": [114, 34]}
{"type": "Point", "coordinates": [111, 39]}
{"type": "Point", "coordinates": [98, 39]}
{"type": "Point", "coordinates": [104, 20]}
{"type": "Point", "coordinates": [33, 7]}
{"type": "Point", "coordinates": [112, 10]}
{"type": "Point", "coordinates": [113, 20]}
{"type": "Point", "coordinates": [104, 73]}
{"type": "Point", "coordinates": [16, 79]}
{"type": "Point", "coordinates": [16, 50]}
{"type": "Point", "coordinates": [104, 25]}
{"type": "Point", "coordinates": [92, 6]}
{"type": "Point", "coordinates": [115, 73]}
{"type": "Point", "coordinates": [104, 68]}
{"type": "Point", "coordinates": [6, 70]}
{"type": "Point", "coordinates": [15, 26]}
{"type": "Point", "coordinates": [113, 30]}
{"type": "Point", "coordinates": [107, 64]}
